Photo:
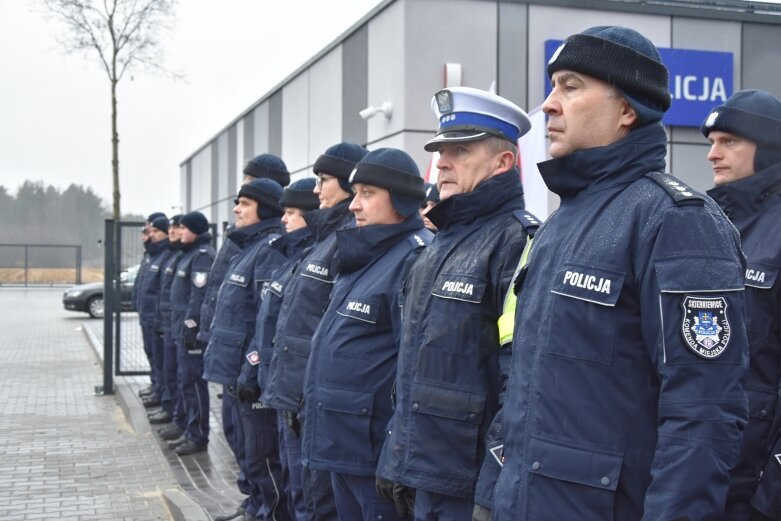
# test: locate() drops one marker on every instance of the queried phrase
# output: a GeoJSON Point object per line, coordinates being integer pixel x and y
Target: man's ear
{"type": "Point", "coordinates": [628, 115]}
{"type": "Point", "coordinates": [506, 161]}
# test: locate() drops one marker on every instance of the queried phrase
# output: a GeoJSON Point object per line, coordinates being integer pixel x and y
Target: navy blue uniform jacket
{"type": "Point", "coordinates": [189, 287]}
{"type": "Point", "coordinates": [448, 380]}
{"type": "Point", "coordinates": [347, 394]}
{"type": "Point", "coordinates": [239, 298]}
{"type": "Point", "coordinates": [626, 398]}
{"type": "Point", "coordinates": [304, 301]}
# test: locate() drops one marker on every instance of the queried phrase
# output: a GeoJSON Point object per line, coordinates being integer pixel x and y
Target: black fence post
{"type": "Point", "coordinates": [26, 265]}
{"type": "Point", "coordinates": [109, 273]}
{"type": "Point", "coordinates": [78, 264]}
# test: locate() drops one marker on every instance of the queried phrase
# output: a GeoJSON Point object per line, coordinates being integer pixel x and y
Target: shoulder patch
{"type": "Point", "coordinates": [420, 239]}
{"type": "Point", "coordinates": [529, 221]}
{"type": "Point", "coordinates": [681, 193]}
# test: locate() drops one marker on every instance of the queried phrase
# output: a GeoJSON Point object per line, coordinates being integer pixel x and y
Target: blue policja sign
{"type": "Point", "coordinates": [699, 80]}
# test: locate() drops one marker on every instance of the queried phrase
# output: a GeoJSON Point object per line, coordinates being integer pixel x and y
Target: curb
{"type": "Point", "coordinates": [180, 505]}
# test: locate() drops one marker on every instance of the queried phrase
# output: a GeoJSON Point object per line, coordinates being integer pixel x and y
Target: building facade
{"type": "Point", "coordinates": [403, 51]}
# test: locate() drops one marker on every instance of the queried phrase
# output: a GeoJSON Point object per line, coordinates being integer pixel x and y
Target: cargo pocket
{"type": "Point", "coordinates": [344, 426]}
{"type": "Point", "coordinates": [584, 300]}
{"type": "Point", "coordinates": [581, 483]}
{"type": "Point", "coordinates": [293, 357]}
{"type": "Point", "coordinates": [226, 352]}
{"type": "Point", "coordinates": [447, 422]}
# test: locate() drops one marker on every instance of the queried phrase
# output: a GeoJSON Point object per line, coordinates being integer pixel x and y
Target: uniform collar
{"type": "Point", "coordinates": [751, 194]}
{"type": "Point", "coordinates": [243, 237]}
{"type": "Point", "coordinates": [324, 221]}
{"type": "Point", "coordinates": [493, 196]}
{"type": "Point", "coordinates": [292, 242]}
{"type": "Point", "coordinates": [204, 238]}
{"type": "Point", "coordinates": [624, 161]}
{"type": "Point", "coordinates": [155, 248]}
{"type": "Point", "coordinates": [356, 247]}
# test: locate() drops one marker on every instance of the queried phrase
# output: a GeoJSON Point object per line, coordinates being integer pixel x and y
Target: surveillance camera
{"type": "Point", "coordinates": [368, 112]}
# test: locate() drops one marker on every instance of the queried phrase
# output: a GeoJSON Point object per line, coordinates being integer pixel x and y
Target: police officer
{"type": "Point", "coordinates": [745, 137]}
{"type": "Point", "coordinates": [296, 201]}
{"type": "Point", "coordinates": [148, 294]}
{"type": "Point", "coordinates": [257, 214]}
{"type": "Point", "coordinates": [187, 292]}
{"type": "Point", "coordinates": [146, 243]}
{"type": "Point", "coordinates": [353, 361]}
{"type": "Point", "coordinates": [626, 398]}
{"type": "Point", "coordinates": [448, 381]}
{"type": "Point", "coordinates": [304, 301]}
{"type": "Point", "coordinates": [171, 400]}
{"type": "Point", "coordinates": [263, 166]}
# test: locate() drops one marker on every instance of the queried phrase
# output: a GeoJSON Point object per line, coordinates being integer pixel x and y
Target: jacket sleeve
{"type": "Point", "coordinates": [199, 277]}
{"type": "Point", "coordinates": [494, 442]}
{"type": "Point", "coordinates": [692, 304]}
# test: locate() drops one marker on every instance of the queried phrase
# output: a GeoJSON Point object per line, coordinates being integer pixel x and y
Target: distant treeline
{"type": "Point", "coordinates": [40, 214]}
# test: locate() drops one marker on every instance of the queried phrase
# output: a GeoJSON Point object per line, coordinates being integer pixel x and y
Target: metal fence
{"type": "Point", "coordinates": [40, 264]}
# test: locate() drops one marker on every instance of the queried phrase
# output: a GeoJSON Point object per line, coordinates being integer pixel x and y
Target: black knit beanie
{"type": "Point", "coordinates": [196, 222]}
{"type": "Point", "coordinates": [301, 195]}
{"type": "Point", "coordinates": [339, 161]}
{"type": "Point", "coordinates": [268, 166]}
{"type": "Point", "coordinates": [623, 58]}
{"type": "Point", "coordinates": [754, 115]}
{"type": "Point", "coordinates": [176, 220]}
{"type": "Point", "coordinates": [266, 193]}
{"type": "Point", "coordinates": [153, 216]}
{"type": "Point", "coordinates": [161, 223]}
{"type": "Point", "coordinates": [395, 171]}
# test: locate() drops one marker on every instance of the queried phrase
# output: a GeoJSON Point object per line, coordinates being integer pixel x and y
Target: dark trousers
{"type": "Point", "coordinates": [171, 399]}
{"type": "Point", "coordinates": [195, 395]}
{"type": "Point", "coordinates": [263, 469]}
{"type": "Point", "coordinates": [290, 454]}
{"type": "Point", "coordinates": [148, 336]}
{"type": "Point", "coordinates": [357, 499]}
{"type": "Point", "coordinates": [233, 431]}
{"type": "Point", "coordinates": [436, 507]}
{"type": "Point", "coordinates": [319, 494]}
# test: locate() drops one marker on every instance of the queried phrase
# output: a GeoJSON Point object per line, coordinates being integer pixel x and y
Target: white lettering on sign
{"type": "Point", "coordinates": [693, 88]}
{"type": "Point", "coordinates": [360, 307]}
{"type": "Point", "coordinates": [314, 268]}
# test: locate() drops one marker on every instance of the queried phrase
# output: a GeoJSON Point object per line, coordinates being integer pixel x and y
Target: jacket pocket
{"type": "Point", "coordinates": [293, 357]}
{"type": "Point", "coordinates": [444, 427]}
{"type": "Point", "coordinates": [226, 352]}
{"type": "Point", "coordinates": [567, 483]}
{"type": "Point", "coordinates": [584, 300]}
{"type": "Point", "coordinates": [344, 426]}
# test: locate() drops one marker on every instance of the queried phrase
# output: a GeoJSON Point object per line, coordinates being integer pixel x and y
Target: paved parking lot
{"type": "Point", "coordinates": [67, 454]}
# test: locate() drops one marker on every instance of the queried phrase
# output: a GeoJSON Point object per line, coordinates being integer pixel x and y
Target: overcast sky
{"type": "Point", "coordinates": [55, 109]}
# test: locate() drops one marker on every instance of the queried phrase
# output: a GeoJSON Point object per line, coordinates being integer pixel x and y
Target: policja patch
{"type": "Point", "coordinates": [705, 327]}
{"type": "Point", "coordinates": [200, 278]}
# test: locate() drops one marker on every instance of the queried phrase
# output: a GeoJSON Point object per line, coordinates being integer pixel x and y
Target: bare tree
{"type": "Point", "coordinates": [123, 35]}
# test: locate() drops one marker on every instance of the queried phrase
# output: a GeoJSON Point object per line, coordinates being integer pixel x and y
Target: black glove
{"type": "Point", "coordinates": [403, 498]}
{"type": "Point", "coordinates": [480, 513]}
{"type": "Point", "coordinates": [291, 420]}
{"type": "Point", "coordinates": [248, 393]}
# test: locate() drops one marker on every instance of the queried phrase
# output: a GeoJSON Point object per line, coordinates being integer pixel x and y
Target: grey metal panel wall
{"type": "Point", "coordinates": [325, 94]}
{"type": "Point", "coordinates": [187, 198]}
{"type": "Point", "coordinates": [355, 85]}
{"type": "Point", "coordinates": [233, 165]}
{"type": "Point", "coordinates": [275, 124]}
{"type": "Point", "coordinates": [386, 70]}
{"type": "Point", "coordinates": [215, 181]}
{"type": "Point", "coordinates": [513, 53]}
{"type": "Point", "coordinates": [295, 122]}
{"type": "Point", "coordinates": [249, 135]}
{"type": "Point", "coordinates": [261, 131]}
{"type": "Point", "coordinates": [760, 57]}
{"type": "Point", "coordinates": [689, 163]}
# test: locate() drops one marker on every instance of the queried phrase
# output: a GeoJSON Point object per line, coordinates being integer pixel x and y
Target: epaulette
{"type": "Point", "coordinates": [530, 222]}
{"type": "Point", "coordinates": [681, 193]}
{"type": "Point", "coordinates": [419, 240]}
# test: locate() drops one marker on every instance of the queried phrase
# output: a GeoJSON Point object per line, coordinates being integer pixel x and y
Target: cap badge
{"type": "Point", "coordinates": [556, 54]}
{"type": "Point", "coordinates": [712, 117]}
{"type": "Point", "coordinates": [352, 175]}
{"type": "Point", "coordinates": [444, 101]}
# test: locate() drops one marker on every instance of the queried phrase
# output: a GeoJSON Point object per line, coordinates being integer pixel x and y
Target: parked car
{"type": "Point", "coordinates": [88, 298]}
